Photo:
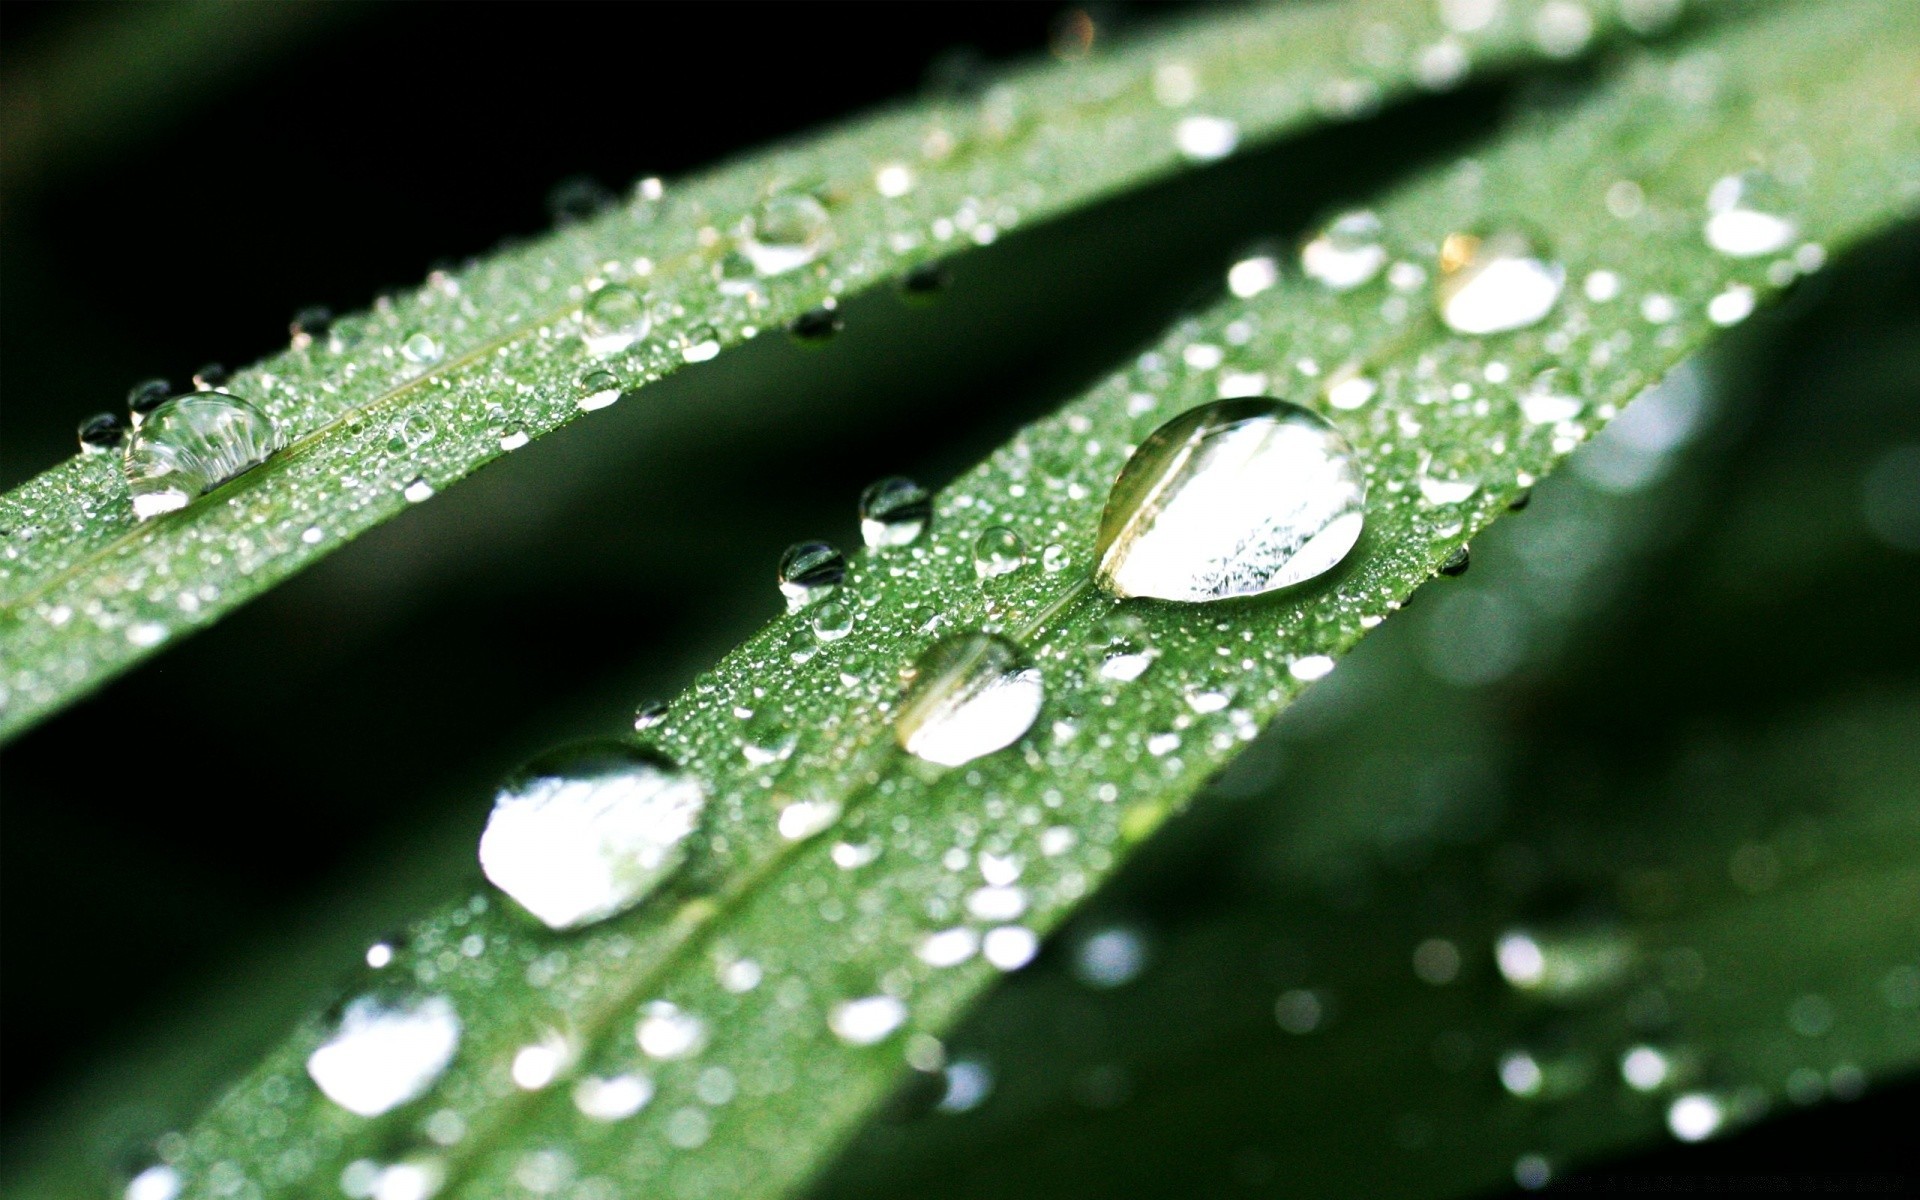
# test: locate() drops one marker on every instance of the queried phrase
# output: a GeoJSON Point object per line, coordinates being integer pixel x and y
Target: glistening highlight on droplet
{"type": "Point", "coordinates": [589, 831]}
{"type": "Point", "coordinates": [1234, 498]}
{"type": "Point", "coordinates": [192, 444]}
{"type": "Point", "coordinates": [384, 1051]}
{"type": "Point", "coordinates": [967, 696]}
{"type": "Point", "coordinates": [1495, 282]}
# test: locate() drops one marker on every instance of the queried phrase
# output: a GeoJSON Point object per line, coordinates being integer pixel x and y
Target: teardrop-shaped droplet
{"type": "Point", "coordinates": [809, 571]}
{"type": "Point", "coordinates": [589, 830]}
{"type": "Point", "coordinates": [894, 512]}
{"type": "Point", "coordinates": [998, 551]}
{"type": "Point", "coordinates": [786, 232]}
{"type": "Point", "coordinates": [384, 1051]}
{"type": "Point", "coordinates": [614, 318]}
{"type": "Point", "coordinates": [1744, 216]}
{"type": "Point", "coordinates": [1495, 282]}
{"type": "Point", "coordinates": [192, 444]}
{"type": "Point", "coordinates": [968, 695]}
{"type": "Point", "coordinates": [1348, 253]}
{"type": "Point", "coordinates": [1233, 498]}
{"type": "Point", "coordinates": [101, 432]}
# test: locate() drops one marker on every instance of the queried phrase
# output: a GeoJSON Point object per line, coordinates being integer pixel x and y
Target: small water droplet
{"type": "Point", "coordinates": [1110, 958]}
{"type": "Point", "coordinates": [192, 444]}
{"type": "Point", "coordinates": [1696, 1116]}
{"type": "Point", "coordinates": [145, 396]}
{"type": "Point", "coordinates": [417, 490]}
{"type": "Point", "coordinates": [157, 1182]}
{"type": "Point", "coordinates": [612, 1097]}
{"type": "Point", "coordinates": [1645, 1068]}
{"type": "Point", "coordinates": [513, 435]}
{"type": "Point", "coordinates": [421, 349]}
{"type": "Point", "coordinates": [1204, 138]}
{"type": "Point", "coordinates": [598, 389]}
{"type": "Point", "coordinates": [385, 1051]}
{"type": "Point", "coordinates": [1253, 275]}
{"type": "Point", "coordinates": [649, 715]}
{"type": "Point", "coordinates": [209, 377]}
{"type": "Point", "coordinates": [1009, 947]}
{"type": "Point", "coordinates": [1456, 562]}
{"type": "Point", "coordinates": [1350, 252]}
{"type": "Point", "coordinates": [1440, 487]}
{"type": "Point", "coordinates": [101, 432]}
{"type": "Point", "coordinates": [786, 232]}
{"type": "Point", "coordinates": [1563, 964]}
{"type": "Point", "coordinates": [667, 1031]}
{"type": "Point", "coordinates": [1548, 400]}
{"type": "Point", "coordinates": [998, 551]}
{"type": "Point", "coordinates": [924, 281]}
{"type": "Point", "coordinates": [815, 325]}
{"type": "Point", "coordinates": [1495, 282]}
{"type": "Point", "coordinates": [832, 621]}
{"type": "Point", "coordinates": [538, 1064]}
{"type": "Point", "coordinates": [809, 572]}
{"type": "Point", "coordinates": [1233, 498]}
{"type": "Point", "coordinates": [309, 325]}
{"type": "Point", "coordinates": [1744, 216]}
{"type": "Point", "coordinates": [589, 830]}
{"type": "Point", "coordinates": [894, 512]}
{"type": "Point", "coordinates": [867, 1020]}
{"type": "Point", "coordinates": [699, 344]}
{"type": "Point", "coordinates": [614, 318]}
{"type": "Point", "coordinates": [967, 696]}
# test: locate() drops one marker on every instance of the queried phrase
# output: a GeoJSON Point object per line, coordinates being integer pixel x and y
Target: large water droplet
{"type": "Point", "coordinates": [1233, 498]}
{"type": "Point", "coordinates": [589, 830]}
{"type": "Point", "coordinates": [144, 397]}
{"type": "Point", "coordinates": [809, 572]}
{"type": "Point", "coordinates": [192, 444]}
{"type": "Point", "coordinates": [101, 432]}
{"type": "Point", "coordinates": [385, 1051]}
{"type": "Point", "coordinates": [894, 512]}
{"type": "Point", "coordinates": [968, 695]}
{"type": "Point", "coordinates": [1495, 282]}
{"type": "Point", "coordinates": [1743, 216]}
{"type": "Point", "coordinates": [786, 232]}
{"type": "Point", "coordinates": [614, 318]}
{"type": "Point", "coordinates": [1348, 253]}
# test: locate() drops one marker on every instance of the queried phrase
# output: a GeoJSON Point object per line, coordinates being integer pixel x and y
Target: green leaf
{"type": "Point", "coordinates": [830, 916]}
{"type": "Point", "coordinates": [398, 402]}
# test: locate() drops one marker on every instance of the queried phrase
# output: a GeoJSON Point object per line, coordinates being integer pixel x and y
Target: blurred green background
{"type": "Point", "coordinates": [1673, 704]}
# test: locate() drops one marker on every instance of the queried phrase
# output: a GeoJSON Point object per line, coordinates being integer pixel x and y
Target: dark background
{"type": "Point", "coordinates": [177, 211]}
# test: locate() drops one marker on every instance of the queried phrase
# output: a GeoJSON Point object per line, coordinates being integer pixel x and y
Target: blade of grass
{"type": "Point", "coordinates": [791, 718]}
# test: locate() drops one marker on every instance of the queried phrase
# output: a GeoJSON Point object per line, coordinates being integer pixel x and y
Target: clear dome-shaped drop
{"type": "Point", "coordinates": [589, 831]}
{"type": "Point", "coordinates": [1495, 282]}
{"type": "Point", "coordinates": [809, 572]}
{"type": "Point", "coordinates": [384, 1051]}
{"type": "Point", "coordinates": [894, 512]}
{"type": "Point", "coordinates": [785, 233]}
{"type": "Point", "coordinates": [192, 444]}
{"type": "Point", "coordinates": [998, 551]}
{"type": "Point", "coordinates": [101, 432]}
{"type": "Point", "coordinates": [1744, 216]}
{"type": "Point", "coordinates": [967, 696]}
{"type": "Point", "coordinates": [1233, 498]}
{"type": "Point", "coordinates": [1348, 253]}
{"type": "Point", "coordinates": [614, 318]}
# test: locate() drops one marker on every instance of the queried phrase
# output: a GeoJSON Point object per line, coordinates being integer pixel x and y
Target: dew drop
{"type": "Point", "coordinates": [1233, 498]}
{"type": "Point", "coordinates": [699, 344]}
{"type": "Point", "coordinates": [967, 696]}
{"type": "Point", "coordinates": [101, 432]}
{"type": "Point", "coordinates": [809, 572]}
{"type": "Point", "coordinates": [894, 512]}
{"type": "Point", "coordinates": [309, 325]}
{"type": "Point", "coordinates": [421, 349]}
{"type": "Point", "coordinates": [1253, 275]}
{"type": "Point", "coordinates": [667, 1031]}
{"type": "Point", "coordinates": [612, 1098]}
{"type": "Point", "coordinates": [145, 396]}
{"type": "Point", "coordinates": [209, 377]}
{"type": "Point", "coordinates": [867, 1020]}
{"type": "Point", "coordinates": [589, 830]}
{"type": "Point", "coordinates": [832, 621]}
{"type": "Point", "coordinates": [1562, 964]}
{"type": "Point", "coordinates": [1495, 282]}
{"type": "Point", "coordinates": [649, 715]}
{"type": "Point", "coordinates": [156, 1182]}
{"type": "Point", "coordinates": [417, 490]}
{"type": "Point", "coordinates": [1547, 400]}
{"type": "Point", "coordinates": [1743, 216]}
{"type": "Point", "coordinates": [998, 551]}
{"type": "Point", "coordinates": [614, 318]}
{"type": "Point", "coordinates": [385, 1051]}
{"type": "Point", "coordinates": [1350, 252]}
{"type": "Point", "coordinates": [1696, 1116]}
{"type": "Point", "coordinates": [1204, 139]}
{"type": "Point", "coordinates": [598, 389]}
{"type": "Point", "coordinates": [1456, 562]}
{"type": "Point", "coordinates": [786, 232]}
{"type": "Point", "coordinates": [192, 444]}
{"type": "Point", "coordinates": [815, 325]}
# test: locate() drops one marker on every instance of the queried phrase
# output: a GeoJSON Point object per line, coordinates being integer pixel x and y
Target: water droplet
{"type": "Point", "coordinates": [894, 512]}
{"type": "Point", "coordinates": [612, 1098]}
{"type": "Point", "coordinates": [101, 432]}
{"type": "Point", "coordinates": [666, 1031]}
{"type": "Point", "coordinates": [1645, 1069]}
{"type": "Point", "coordinates": [893, 180]}
{"type": "Point", "coordinates": [1440, 487]}
{"type": "Point", "coordinates": [421, 349]}
{"type": "Point", "coordinates": [969, 1083]}
{"type": "Point", "coordinates": [614, 318]}
{"type": "Point", "coordinates": [192, 444]}
{"type": "Point", "coordinates": [538, 1064]}
{"type": "Point", "coordinates": [145, 396]}
{"type": "Point", "coordinates": [1350, 252]}
{"type": "Point", "coordinates": [417, 490]}
{"type": "Point", "coordinates": [157, 1182]}
{"type": "Point", "coordinates": [1456, 562]}
{"type": "Point", "coordinates": [1252, 275]}
{"type": "Point", "coordinates": [1110, 958]}
{"type": "Point", "coordinates": [1204, 139]}
{"type": "Point", "coordinates": [867, 1020]}
{"type": "Point", "coordinates": [949, 947]}
{"type": "Point", "coordinates": [809, 572]}
{"type": "Point", "coordinates": [209, 377]}
{"type": "Point", "coordinates": [832, 621]}
{"type": "Point", "coordinates": [699, 344]}
{"type": "Point", "coordinates": [1563, 964]}
{"type": "Point", "coordinates": [967, 696]}
{"type": "Point", "coordinates": [649, 715]}
{"type": "Point", "coordinates": [384, 1052]}
{"type": "Point", "coordinates": [1731, 306]}
{"type": "Point", "coordinates": [1233, 498]}
{"type": "Point", "coordinates": [786, 232]}
{"type": "Point", "coordinates": [998, 551]}
{"type": "Point", "coordinates": [513, 435]}
{"type": "Point", "coordinates": [803, 819]}
{"type": "Point", "coordinates": [309, 325]}
{"type": "Point", "coordinates": [1743, 216]}
{"type": "Point", "coordinates": [1495, 282]}
{"type": "Point", "coordinates": [598, 389]}
{"type": "Point", "coordinates": [815, 325]}
{"type": "Point", "coordinates": [1696, 1116]}
{"type": "Point", "coordinates": [589, 830]}
{"type": "Point", "coordinates": [1547, 400]}
{"type": "Point", "coordinates": [1009, 947]}
{"type": "Point", "coordinates": [1533, 1171]}
{"type": "Point", "coordinates": [924, 281]}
